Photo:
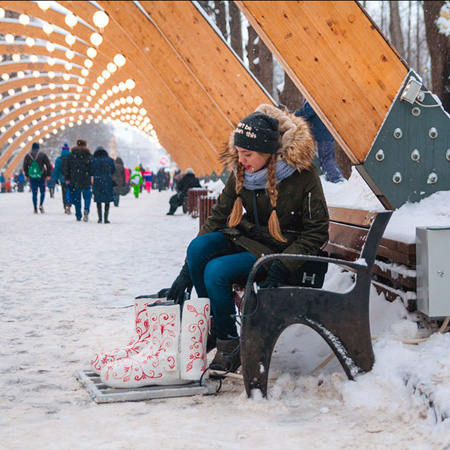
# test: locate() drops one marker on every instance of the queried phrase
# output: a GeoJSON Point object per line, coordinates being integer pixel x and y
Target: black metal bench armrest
{"type": "Point", "coordinates": [358, 265]}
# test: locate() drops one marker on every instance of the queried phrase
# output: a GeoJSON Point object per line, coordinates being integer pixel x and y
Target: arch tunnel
{"type": "Point", "coordinates": [163, 68]}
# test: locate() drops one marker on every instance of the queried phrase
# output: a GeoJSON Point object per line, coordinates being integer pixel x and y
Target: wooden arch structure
{"type": "Point", "coordinates": [186, 105]}
{"type": "Point", "coordinates": [192, 89]}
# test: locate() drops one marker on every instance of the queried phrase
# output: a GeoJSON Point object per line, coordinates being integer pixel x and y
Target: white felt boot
{"type": "Point", "coordinates": [194, 335]}
{"type": "Point", "coordinates": [142, 334]}
{"type": "Point", "coordinates": [157, 362]}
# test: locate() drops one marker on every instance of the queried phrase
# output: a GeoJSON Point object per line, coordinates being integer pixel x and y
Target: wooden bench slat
{"type": "Point", "coordinates": [403, 258]}
{"type": "Point", "coordinates": [347, 235]}
{"type": "Point", "coordinates": [394, 277]}
{"type": "Point", "coordinates": [399, 246]}
{"type": "Point", "coordinates": [356, 217]}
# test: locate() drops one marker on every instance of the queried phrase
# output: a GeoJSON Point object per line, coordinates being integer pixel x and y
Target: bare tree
{"type": "Point", "coordinates": [439, 48]}
{"type": "Point", "coordinates": [236, 30]}
{"type": "Point", "coordinates": [408, 56]}
{"type": "Point", "coordinates": [395, 27]}
{"type": "Point", "coordinates": [221, 17]}
{"type": "Point", "coordinates": [290, 96]}
{"type": "Point", "coordinates": [260, 60]}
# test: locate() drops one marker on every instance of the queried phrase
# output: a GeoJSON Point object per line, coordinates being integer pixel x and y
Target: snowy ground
{"type": "Point", "coordinates": [63, 285]}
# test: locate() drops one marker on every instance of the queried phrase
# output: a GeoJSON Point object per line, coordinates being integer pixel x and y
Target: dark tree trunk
{"type": "Point", "coordinates": [343, 161]}
{"type": "Point", "coordinates": [395, 28]}
{"type": "Point", "coordinates": [408, 57]}
{"type": "Point", "coordinates": [260, 60]}
{"type": "Point", "coordinates": [418, 40]}
{"type": "Point", "coordinates": [235, 29]}
{"type": "Point", "coordinates": [205, 5]}
{"type": "Point", "coordinates": [439, 48]}
{"type": "Point", "coordinates": [290, 97]}
{"type": "Point", "coordinates": [221, 17]}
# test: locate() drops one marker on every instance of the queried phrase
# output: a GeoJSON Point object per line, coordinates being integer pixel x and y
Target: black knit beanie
{"type": "Point", "coordinates": [257, 132]}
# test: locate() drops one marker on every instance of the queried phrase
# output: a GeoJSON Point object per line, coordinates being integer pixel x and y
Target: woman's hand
{"type": "Point", "coordinates": [179, 287]}
{"type": "Point", "coordinates": [278, 276]}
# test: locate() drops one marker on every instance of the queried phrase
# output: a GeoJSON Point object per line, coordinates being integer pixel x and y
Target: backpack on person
{"type": "Point", "coordinates": [34, 171]}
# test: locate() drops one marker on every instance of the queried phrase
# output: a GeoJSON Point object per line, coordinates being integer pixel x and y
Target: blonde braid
{"type": "Point", "coordinates": [235, 217]}
{"type": "Point", "coordinates": [272, 191]}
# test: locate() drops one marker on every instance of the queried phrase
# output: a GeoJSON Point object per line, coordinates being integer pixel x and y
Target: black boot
{"type": "Point", "coordinates": [228, 356]}
{"type": "Point", "coordinates": [107, 212]}
{"type": "Point", "coordinates": [211, 342]}
{"type": "Point", "coordinates": [171, 211]}
{"type": "Point", "coordinates": [99, 211]}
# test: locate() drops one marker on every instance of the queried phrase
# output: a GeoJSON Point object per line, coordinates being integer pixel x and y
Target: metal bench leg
{"type": "Point", "coordinates": [341, 320]}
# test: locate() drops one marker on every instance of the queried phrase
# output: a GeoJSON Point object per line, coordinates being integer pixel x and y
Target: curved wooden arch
{"type": "Point", "coordinates": [24, 137]}
{"type": "Point", "coordinates": [40, 50]}
{"type": "Point", "coordinates": [23, 96]}
{"type": "Point", "coordinates": [25, 110]}
{"type": "Point", "coordinates": [192, 101]}
{"type": "Point", "coordinates": [19, 126]}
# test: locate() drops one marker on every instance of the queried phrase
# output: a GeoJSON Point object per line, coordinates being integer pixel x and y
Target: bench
{"type": "Point", "coordinates": [193, 197]}
{"type": "Point", "coordinates": [342, 319]}
{"type": "Point", "coordinates": [394, 271]}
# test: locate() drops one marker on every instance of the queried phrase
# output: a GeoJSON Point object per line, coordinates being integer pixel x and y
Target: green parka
{"type": "Point", "coordinates": [301, 206]}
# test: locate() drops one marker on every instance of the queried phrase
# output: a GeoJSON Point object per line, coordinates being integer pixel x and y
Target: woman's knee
{"type": "Point", "coordinates": [215, 276]}
{"type": "Point", "coordinates": [202, 245]}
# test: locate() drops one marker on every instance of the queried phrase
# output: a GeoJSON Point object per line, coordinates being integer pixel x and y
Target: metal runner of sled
{"type": "Point", "coordinates": [101, 393]}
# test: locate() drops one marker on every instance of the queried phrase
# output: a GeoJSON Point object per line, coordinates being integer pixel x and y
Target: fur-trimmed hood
{"type": "Point", "coordinates": [295, 145]}
{"type": "Point", "coordinates": [79, 150]}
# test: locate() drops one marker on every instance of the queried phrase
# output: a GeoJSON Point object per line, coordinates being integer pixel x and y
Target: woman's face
{"type": "Point", "coordinates": [252, 161]}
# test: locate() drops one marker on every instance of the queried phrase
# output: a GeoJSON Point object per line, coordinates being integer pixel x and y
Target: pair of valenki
{"type": "Point", "coordinates": [167, 347]}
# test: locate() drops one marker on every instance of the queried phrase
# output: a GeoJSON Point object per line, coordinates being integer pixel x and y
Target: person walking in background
{"type": "Point", "coordinates": [37, 169]}
{"type": "Point", "coordinates": [58, 178]}
{"type": "Point", "coordinates": [188, 181]}
{"type": "Point", "coordinates": [160, 177]}
{"type": "Point", "coordinates": [325, 144]}
{"type": "Point", "coordinates": [51, 184]}
{"type": "Point", "coordinates": [77, 173]}
{"type": "Point", "coordinates": [21, 181]}
{"type": "Point", "coordinates": [148, 180]}
{"type": "Point", "coordinates": [119, 182]}
{"type": "Point", "coordinates": [102, 171]}
{"type": "Point", "coordinates": [136, 181]}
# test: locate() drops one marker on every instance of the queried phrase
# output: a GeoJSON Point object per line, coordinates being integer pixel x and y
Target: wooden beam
{"type": "Point", "coordinates": [339, 61]}
{"type": "Point", "coordinates": [211, 61]}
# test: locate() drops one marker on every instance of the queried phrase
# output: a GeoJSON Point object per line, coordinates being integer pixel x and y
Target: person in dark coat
{"type": "Point", "coordinates": [102, 171]}
{"type": "Point", "coordinates": [58, 177]}
{"type": "Point", "coordinates": [21, 181]}
{"type": "Point", "coordinates": [187, 182]}
{"type": "Point", "coordinates": [160, 178]}
{"type": "Point", "coordinates": [119, 182]}
{"type": "Point", "coordinates": [77, 172]}
{"type": "Point", "coordinates": [273, 202]}
{"type": "Point", "coordinates": [51, 184]}
{"type": "Point", "coordinates": [325, 143]}
{"type": "Point", "coordinates": [37, 181]}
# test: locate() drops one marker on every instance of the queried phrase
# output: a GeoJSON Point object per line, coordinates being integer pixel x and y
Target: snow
{"type": "Point", "coordinates": [64, 286]}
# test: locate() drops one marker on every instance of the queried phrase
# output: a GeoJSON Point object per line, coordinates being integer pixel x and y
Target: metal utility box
{"type": "Point", "coordinates": [433, 270]}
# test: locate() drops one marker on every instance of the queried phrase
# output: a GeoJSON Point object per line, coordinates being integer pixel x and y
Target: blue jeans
{"type": "Point", "coordinates": [76, 197]}
{"type": "Point", "coordinates": [215, 264]}
{"type": "Point", "coordinates": [37, 183]}
{"type": "Point", "coordinates": [327, 160]}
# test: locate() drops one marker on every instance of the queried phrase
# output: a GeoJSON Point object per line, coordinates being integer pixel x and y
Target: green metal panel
{"type": "Point", "coordinates": [413, 158]}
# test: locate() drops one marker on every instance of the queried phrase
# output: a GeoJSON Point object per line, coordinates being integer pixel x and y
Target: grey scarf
{"type": "Point", "coordinates": [258, 180]}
